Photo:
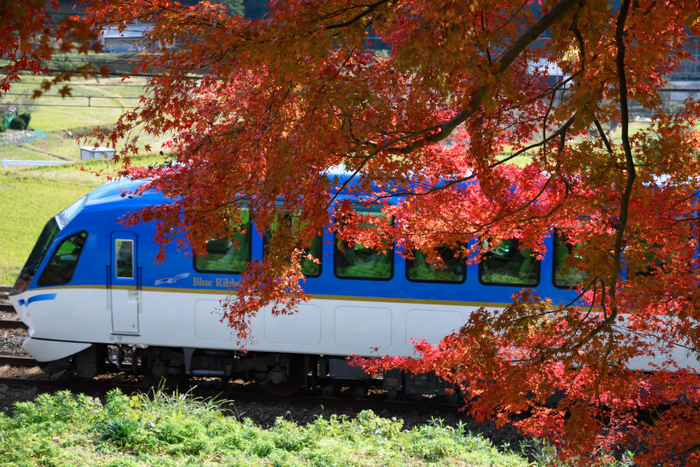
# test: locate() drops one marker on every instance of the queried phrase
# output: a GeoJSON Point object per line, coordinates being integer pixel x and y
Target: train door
{"type": "Point", "coordinates": [125, 291]}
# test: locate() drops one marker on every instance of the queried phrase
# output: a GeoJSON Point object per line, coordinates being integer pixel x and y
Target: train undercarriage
{"type": "Point", "coordinates": [279, 373]}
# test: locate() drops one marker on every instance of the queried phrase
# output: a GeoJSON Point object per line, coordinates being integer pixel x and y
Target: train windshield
{"type": "Point", "coordinates": [48, 235]}
{"type": "Point", "coordinates": [67, 215]}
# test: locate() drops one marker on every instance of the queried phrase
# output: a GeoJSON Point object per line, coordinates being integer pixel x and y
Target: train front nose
{"type": "Point", "coordinates": [19, 303]}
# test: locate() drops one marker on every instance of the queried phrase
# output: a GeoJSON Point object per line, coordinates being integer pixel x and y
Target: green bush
{"type": "Point", "coordinates": [2, 127]}
{"type": "Point", "coordinates": [26, 117]}
{"type": "Point", "coordinates": [18, 124]}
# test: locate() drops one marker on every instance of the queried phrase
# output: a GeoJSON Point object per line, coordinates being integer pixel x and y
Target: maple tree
{"type": "Point", "coordinates": [265, 109]}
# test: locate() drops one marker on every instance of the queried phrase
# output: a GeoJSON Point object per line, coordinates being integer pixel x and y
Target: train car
{"type": "Point", "coordinates": [91, 293]}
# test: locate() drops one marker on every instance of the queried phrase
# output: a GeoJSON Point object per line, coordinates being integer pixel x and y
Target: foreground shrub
{"type": "Point", "coordinates": [26, 117]}
{"type": "Point", "coordinates": [160, 429]}
{"type": "Point", "coordinates": [18, 124]}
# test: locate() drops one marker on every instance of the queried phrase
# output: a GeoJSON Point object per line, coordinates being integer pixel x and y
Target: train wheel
{"type": "Point", "coordinates": [168, 381]}
{"type": "Point", "coordinates": [160, 372]}
{"type": "Point", "coordinates": [293, 382]}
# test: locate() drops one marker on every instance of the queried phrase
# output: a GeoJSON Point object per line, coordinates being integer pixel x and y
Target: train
{"type": "Point", "coordinates": [92, 296]}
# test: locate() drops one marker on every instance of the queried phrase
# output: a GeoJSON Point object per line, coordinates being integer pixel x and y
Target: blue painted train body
{"type": "Point", "coordinates": [166, 316]}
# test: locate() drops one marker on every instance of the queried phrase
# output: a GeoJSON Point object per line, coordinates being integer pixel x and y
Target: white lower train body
{"type": "Point", "coordinates": [187, 322]}
{"type": "Point", "coordinates": [329, 328]}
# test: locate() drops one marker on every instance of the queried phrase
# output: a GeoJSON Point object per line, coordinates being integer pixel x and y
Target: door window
{"type": "Point", "coordinates": [125, 258]}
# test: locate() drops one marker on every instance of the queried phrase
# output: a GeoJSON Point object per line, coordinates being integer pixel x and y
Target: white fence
{"type": "Point", "coordinates": [9, 162]}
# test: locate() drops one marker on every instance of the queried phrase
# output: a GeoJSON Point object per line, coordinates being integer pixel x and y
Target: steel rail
{"type": "Point", "coordinates": [13, 360]}
{"type": "Point", "coordinates": [12, 324]}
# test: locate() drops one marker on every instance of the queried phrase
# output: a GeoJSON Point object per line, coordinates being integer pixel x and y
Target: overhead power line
{"type": "Point", "coordinates": [74, 105]}
{"type": "Point", "coordinates": [76, 83]}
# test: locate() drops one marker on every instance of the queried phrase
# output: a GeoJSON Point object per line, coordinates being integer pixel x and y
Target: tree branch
{"type": "Point", "coordinates": [505, 61]}
{"type": "Point", "coordinates": [370, 8]}
{"type": "Point", "coordinates": [629, 160]}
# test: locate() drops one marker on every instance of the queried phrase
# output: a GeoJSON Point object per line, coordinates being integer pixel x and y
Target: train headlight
{"type": "Point", "coordinates": [21, 285]}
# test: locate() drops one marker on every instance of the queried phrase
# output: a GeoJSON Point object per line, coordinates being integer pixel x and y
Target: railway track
{"type": "Point", "coordinates": [12, 324]}
{"type": "Point", "coordinates": [13, 360]}
{"type": "Point", "coordinates": [239, 394]}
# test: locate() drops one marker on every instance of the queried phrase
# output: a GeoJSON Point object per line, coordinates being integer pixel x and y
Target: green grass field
{"type": "Point", "coordinates": [26, 204]}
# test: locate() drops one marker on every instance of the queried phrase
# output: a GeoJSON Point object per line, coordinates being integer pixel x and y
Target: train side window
{"type": "Point", "coordinates": [451, 268]}
{"type": "Point", "coordinates": [124, 250]}
{"type": "Point", "coordinates": [652, 263]}
{"type": "Point", "coordinates": [564, 277]}
{"type": "Point", "coordinates": [228, 254]}
{"type": "Point", "coordinates": [313, 247]}
{"type": "Point", "coordinates": [309, 267]}
{"type": "Point", "coordinates": [356, 261]}
{"type": "Point", "coordinates": [508, 264]}
{"type": "Point", "coordinates": [62, 264]}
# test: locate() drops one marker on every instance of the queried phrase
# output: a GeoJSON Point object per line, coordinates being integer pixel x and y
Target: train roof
{"type": "Point", "coordinates": [117, 193]}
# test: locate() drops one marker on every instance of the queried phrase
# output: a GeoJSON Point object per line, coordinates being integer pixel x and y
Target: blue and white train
{"type": "Point", "coordinates": [91, 293]}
